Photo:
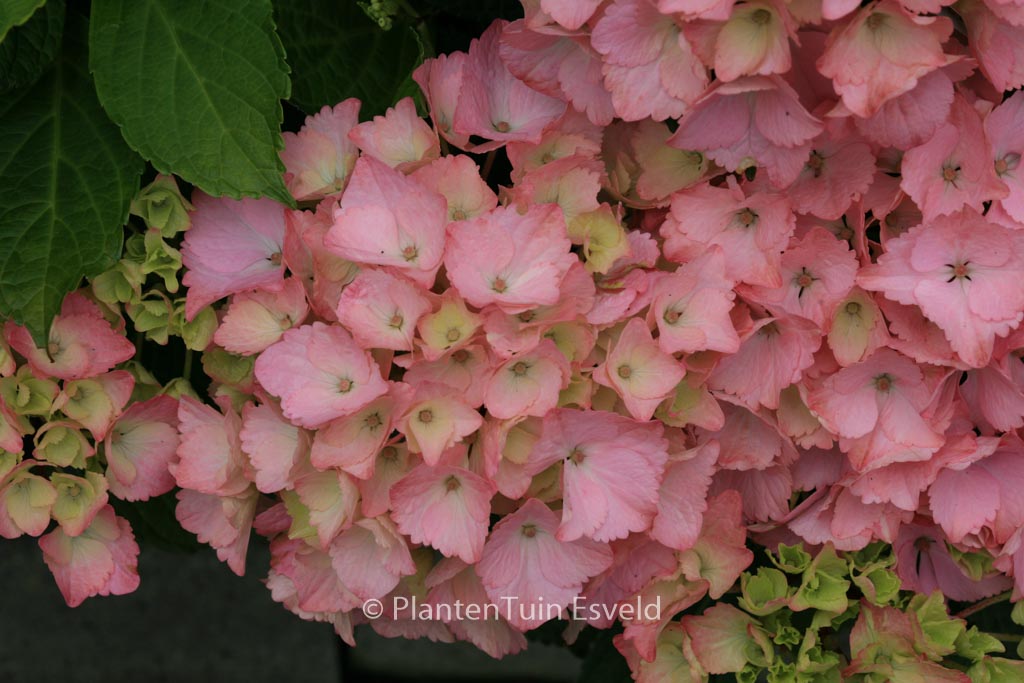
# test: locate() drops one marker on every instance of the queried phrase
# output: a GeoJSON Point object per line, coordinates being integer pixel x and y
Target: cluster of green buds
{"type": "Point", "coordinates": [146, 280]}
{"type": "Point", "coordinates": [830, 618]}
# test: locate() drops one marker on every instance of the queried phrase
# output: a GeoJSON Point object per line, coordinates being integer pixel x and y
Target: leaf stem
{"type": "Point", "coordinates": [982, 604]}
{"type": "Point", "coordinates": [187, 370]}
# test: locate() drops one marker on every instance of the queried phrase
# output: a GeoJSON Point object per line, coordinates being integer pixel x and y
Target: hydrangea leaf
{"type": "Point", "coordinates": [66, 180]}
{"type": "Point", "coordinates": [30, 48]}
{"type": "Point", "coordinates": [338, 52]}
{"type": "Point", "coordinates": [15, 13]}
{"type": "Point", "coordinates": [196, 89]}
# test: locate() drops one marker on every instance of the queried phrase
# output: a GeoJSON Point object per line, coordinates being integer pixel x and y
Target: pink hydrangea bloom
{"type": "Point", "coordinates": [881, 53]}
{"type": "Point", "coordinates": [140, 447]}
{"type": "Point", "coordinates": [1005, 132]}
{"type": "Point", "coordinates": [319, 158]}
{"type": "Point", "coordinates": [514, 260]}
{"type": "Point", "coordinates": [80, 344]}
{"type": "Point", "coordinates": [683, 494]}
{"type": "Point", "coordinates": [649, 66]}
{"type": "Point", "coordinates": [102, 560]}
{"type": "Point", "coordinates": [527, 383]}
{"type": "Point", "coordinates": [440, 79]}
{"type": "Point", "coordinates": [954, 168]}
{"type": "Point", "coordinates": [772, 355]}
{"type": "Point", "coordinates": [276, 448]}
{"type": "Point", "coordinates": [879, 401]}
{"type": "Point", "coordinates": [400, 138]}
{"type": "Point", "coordinates": [222, 521]}
{"type": "Point", "coordinates": [639, 371]}
{"type": "Point", "coordinates": [964, 273]}
{"type": "Point", "coordinates": [494, 104]}
{"type": "Point", "coordinates": [388, 219]}
{"type": "Point", "coordinates": [352, 443]}
{"type": "Point", "coordinates": [447, 508]}
{"type": "Point", "coordinates": [526, 571]}
{"type": "Point", "coordinates": [752, 231]}
{"type": "Point", "coordinates": [233, 245]}
{"type": "Point", "coordinates": [691, 306]}
{"type": "Point", "coordinates": [381, 310]}
{"type": "Point", "coordinates": [254, 320]}
{"type": "Point", "coordinates": [818, 272]}
{"type": "Point", "coordinates": [612, 467]}
{"type": "Point", "coordinates": [752, 121]}
{"type": "Point", "coordinates": [210, 458]}
{"type": "Point", "coordinates": [319, 373]}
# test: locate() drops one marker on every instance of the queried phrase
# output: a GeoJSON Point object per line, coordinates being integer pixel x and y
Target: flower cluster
{"type": "Point", "coordinates": [756, 271]}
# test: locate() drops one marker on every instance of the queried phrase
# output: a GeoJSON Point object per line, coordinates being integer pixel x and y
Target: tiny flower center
{"type": "Point", "coordinates": [410, 252]}
{"type": "Point", "coordinates": [804, 279]}
{"type": "Point", "coordinates": [529, 530]}
{"type": "Point", "coordinates": [883, 383]}
{"type": "Point", "coordinates": [520, 368]}
{"type": "Point", "coordinates": [959, 271]}
{"type": "Point", "coordinates": [458, 215]}
{"type": "Point", "coordinates": [747, 217]}
{"type": "Point", "coordinates": [499, 285]}
{"type": "Point", "coordinates": [526, 316]}
{"type": "Point", "coordinates": [923, 544]}
{"type": "Point", "coordinates": [852, 308]}
{"type": "Point", "coordinates": [950, 173]}
{"type": "Point", "coordinates": [345, 386]}
{"type": "Point", "coordinates": [74, 490]}
{"type": "Point", "coordinates": [761, 17]}
{"type": "Point", "coordinates": [576, 456]}
{"type": "Point", "coordinates": [275, 258]}
{"type": "Point", "coordinates": [453, 334]}
{"type": "Point", "coordinates": [1002, 166]}
{"type": "Point", "coordinates": [390, 453]}
{"type": "Point", "coordinates": [452, 483]}
{"type": "Point", "coordinates": [373, 421]}
{"type": "Point", "coordinates": [625, 371]}
{"type": "Point", "coordinates": [816, 162]}
{"type": "Point", "coordinates": [547, 158]}
{"type": "Point", "coordinates": [769, 330]}
{"type": "Point", "coordinates": [875, 21]}
{"type": "Point", "coordinates": [460, 356]}
{"type": "Point", "coordinates": [426, 416]}
{"type": "Point", "coordinates": [396, 321]}
{"type": "Point", "coordinates": [502, 127]}
{"type": "Point", "coordinates": [671, 316]}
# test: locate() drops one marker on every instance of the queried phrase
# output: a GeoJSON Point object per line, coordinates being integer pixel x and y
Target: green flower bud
{"type": "Point", "coordinates": [823, 585]}
{"type": "Point", "coordinates": [1017, 613]}
{"type": "Point", "coordinates": [179, 387]}
{"type": "Point", "coordinates": [301, 526]}
{"type": "Point", "coordinates": [63, 444]}
{"type": "Point", "coordinates": [973, 644]}
{"type": "Point", "coordinates": [161, 259]}
{"type": "Point", "coordinates": [26, 394]}
{"type": "Point", "coordinates": [152, 315]}
{"type": "Point", "coordinates": [940, 631]}
{"type": "Point", "coordinates": [997, 670]}
{"type": "Point", "coordinates": [78, 499]}
{"type": "Point", "coordinates": [146, 385]}
{"type": "Point", "coordinates": [976, 565]}
{"type": "Point", "coordinates": [198, 332]}
{"type": "Point", "coordinates": [792, 559]}
{"type": "Point", "coordinates": [227, 368]}
{"type": "Point", "coordinates": [119, 285]}
{"type": "Point", "coordinates": [764, 592]}
{"type": "Point", "coordinates": [8, 461]}
{"type": "Point", "coordinates": [161, 206]}
{"type": "Point", "coordinates": [879, 585]}
{"type": "Point", "coordinates": [135, 248]}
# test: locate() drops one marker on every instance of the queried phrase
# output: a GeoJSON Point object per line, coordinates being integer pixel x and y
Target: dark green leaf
{"type": "Point", "coordinates": [66, 179]}
{"type": "Point", "coordinates": [31, 47]}
{"type": "Point", "coordinates": [196, 88]}
{"type": "Point", "coordinates": [15, 13]}
{"type": "Point", "coordinates": [153, 522]}
{"type": "Point", "coordinates": [337, 52]}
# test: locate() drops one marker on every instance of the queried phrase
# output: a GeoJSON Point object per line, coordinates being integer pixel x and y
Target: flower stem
{"type": "Point", "coordinates": [982, 604]}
